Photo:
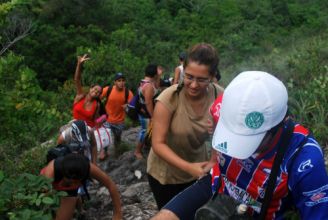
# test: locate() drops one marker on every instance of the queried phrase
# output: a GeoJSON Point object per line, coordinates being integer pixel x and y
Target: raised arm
{"type": "Point", "coordinates": [161, 122]}
{"type": "Point", "coordinates": [104, 179]}
{"type": "Point", "coordinates": [77, 75]}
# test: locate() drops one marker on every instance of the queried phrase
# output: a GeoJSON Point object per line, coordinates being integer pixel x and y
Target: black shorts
{"type": "Point", "coordinates": [186, 203]}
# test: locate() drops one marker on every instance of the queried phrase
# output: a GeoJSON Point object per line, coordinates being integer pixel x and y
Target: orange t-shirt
{"type": "Point", "coordinates": [114, 105]}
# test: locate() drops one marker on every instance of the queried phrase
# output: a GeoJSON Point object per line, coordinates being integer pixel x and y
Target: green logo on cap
{"type": "Point", "coordinates": [254, 120]}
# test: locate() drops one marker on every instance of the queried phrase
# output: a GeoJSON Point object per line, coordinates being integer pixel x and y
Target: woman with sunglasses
{"type": "Point", "coordinates": [180, 120]}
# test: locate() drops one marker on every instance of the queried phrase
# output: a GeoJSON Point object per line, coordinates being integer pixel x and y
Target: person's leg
{"type": "Point", "coordinates": [118, 136]}
{"type": "Point", "coordinates": [184, 205]}
{"type": "Point", "coordinates": [164, 193]}
{"type": "Point", "coordinates": [66, 208]}
{"type": "Point", "coordinates": [117, 130]}
{"type": "Point", "coordinates": [143, 123]}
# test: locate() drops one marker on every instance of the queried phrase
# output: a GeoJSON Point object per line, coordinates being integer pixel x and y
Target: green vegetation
{"type": "Point", "coordinates": [27, 197]}
{"type": "Point", "coordinates": [40, 40]}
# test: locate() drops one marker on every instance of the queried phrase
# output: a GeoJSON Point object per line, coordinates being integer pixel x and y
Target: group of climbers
{"type": "Point", "coordinates": [247, 123]}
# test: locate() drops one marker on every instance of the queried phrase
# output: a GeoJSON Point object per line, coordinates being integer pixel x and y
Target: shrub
{"type": "Point", "coordinates": [27, 197]}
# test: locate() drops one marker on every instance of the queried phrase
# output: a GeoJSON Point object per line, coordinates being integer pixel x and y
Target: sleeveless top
{"type": "Point", "coordinates": [80, 113]}
{"type": "Point", "coordinates": [142, 98]}
{"type": "Point", "coordinates": [187, 135]}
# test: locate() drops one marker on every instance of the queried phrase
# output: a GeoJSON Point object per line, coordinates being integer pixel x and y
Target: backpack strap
{"type": "Point", "coordinates": [181, 84]}
{"type": "Point", "coordinates": [215, 91]}
{"type": "Point", "coordinates": [109, 90]}
{"type": "Point", "coordinates": [126, 95]}
{"type": "Point", "coordinates": [286, 137]}
{"type": "Point", "coordinates": [84, 183]}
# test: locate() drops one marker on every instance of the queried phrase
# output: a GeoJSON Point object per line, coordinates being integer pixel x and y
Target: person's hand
{"type": "Point", "coordinates": [197, 169]}
{"type": "Point", "coordinates": [124, 106]}
{"type": "Point", "coordinates": [82, 59]}
{"type": "Point", "coordinates": [99, 121]}
{"type": "Point", "coordinates": [209, 165]}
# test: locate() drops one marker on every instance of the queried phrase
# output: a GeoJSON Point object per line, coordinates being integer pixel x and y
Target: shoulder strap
{"type": "Point", "coordinates": [179, 87]}
{"type": "Point", "coordinates": [215, 91]}
{"type": "Point", "coordinates": [126, 95]}
{"type": "Point", "coordinates": [109, 90]}
{"type": "Point", "coordinates": [275, 168]}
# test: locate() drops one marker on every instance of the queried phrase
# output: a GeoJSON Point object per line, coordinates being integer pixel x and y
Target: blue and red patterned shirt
{"type": "Point", "coordinates": [302, 179]}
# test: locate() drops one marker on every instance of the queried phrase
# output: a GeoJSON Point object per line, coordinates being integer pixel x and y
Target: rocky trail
{"type": "Point", "coordinates": [130, 176]}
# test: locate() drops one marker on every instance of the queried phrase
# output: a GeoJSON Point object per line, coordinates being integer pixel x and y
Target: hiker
{"type": "Point", "coordinates": [78, 132]}
{"type": "Point", "coordinates": [69, 173]}
{"type": "Point", "coordinates": [253, 128]}
{"type": "Point", "coordinates": [117, 97]}
{"type": "Point", "coordinates": [178, 151]}
{"type": "Point", "coordinates": [147, 92]}
{"type": "Point", "coordinates": [85, 104]}
{"type": "Point", "coordinates": [179, 70]}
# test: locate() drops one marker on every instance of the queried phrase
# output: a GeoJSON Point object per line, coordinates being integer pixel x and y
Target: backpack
{"type": "Point", "coordinates": [133, 108]}
{"type": "Point", "coordinates": [102, 105]}
{"type": "Point", "coordinates": [80, 132]}
{"type": "Point", "coordinates": [126, 90]}
{"type": "Point", "coordinates": [101, 108]}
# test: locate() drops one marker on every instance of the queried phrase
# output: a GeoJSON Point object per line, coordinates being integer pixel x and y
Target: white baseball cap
{"type": "Point", "coordinates": [252, 104]}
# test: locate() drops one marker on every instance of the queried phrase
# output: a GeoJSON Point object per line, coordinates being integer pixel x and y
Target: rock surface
{"type": "Point", "coordinates": [130, 176]}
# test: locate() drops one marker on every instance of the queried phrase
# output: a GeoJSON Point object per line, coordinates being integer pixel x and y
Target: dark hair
{"type": "Point", "coordinates": [204, 54]}
{"type": "Point", "coordinates": [101, 88]}
{"type": "Point", "coordinates": [151, 70]}
{"type": "Point", "coordinates": [75, 166]}
{"type": "Point", "coordinates": [182, 56]}
{"type": "Point", "coordinates": [218, 75]}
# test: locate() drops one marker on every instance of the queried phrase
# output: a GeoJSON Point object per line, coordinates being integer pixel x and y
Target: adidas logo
{"type": "Point", "coordinates": [222, 147]}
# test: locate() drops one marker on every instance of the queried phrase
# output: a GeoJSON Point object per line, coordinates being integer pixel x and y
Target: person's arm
{"type": "Point", "coordinates": [308, 182]}
{"type": "Point", "coordinates": [49, 170]}
{"type": "Point", "coordinates": [161, 123]}
{"type": "Point", "coordinates": [77, 77]}
{"type": "Point", "coordinates": [60, 139]}
{"type": "Point", "coordinates": [103, 178]}
{"type": "Point", "coordinates": [176, 76]}
{"type": "Point", "coordinates": [148, 93]}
